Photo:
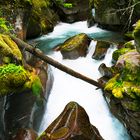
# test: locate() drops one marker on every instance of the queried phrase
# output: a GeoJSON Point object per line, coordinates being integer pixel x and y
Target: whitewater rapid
{"type": "Point", "coordinates": [67, 88]}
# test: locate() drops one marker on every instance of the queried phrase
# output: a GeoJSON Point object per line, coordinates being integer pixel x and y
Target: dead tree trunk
{"type": "Point", "coordinates": [52, 62]}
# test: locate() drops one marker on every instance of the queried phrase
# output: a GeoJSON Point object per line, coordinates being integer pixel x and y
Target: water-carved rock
{"type": "Point", "coordinates": [72, 124]}
{"type": "Point", "coordinates": [101, 49]}
{"type": "Point", "coordinates": [75, 46]}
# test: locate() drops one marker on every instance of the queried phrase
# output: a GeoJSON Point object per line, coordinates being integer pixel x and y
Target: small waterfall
{"type": "Point", "coordinates": [67, 88]}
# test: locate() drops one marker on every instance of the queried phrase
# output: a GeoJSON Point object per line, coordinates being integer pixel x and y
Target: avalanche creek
{"type": "Point", "coordinates": [67, 88]}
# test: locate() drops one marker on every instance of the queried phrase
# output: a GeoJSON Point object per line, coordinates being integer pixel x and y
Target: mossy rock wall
{"type": "Point", "coordinates": [29, 18]}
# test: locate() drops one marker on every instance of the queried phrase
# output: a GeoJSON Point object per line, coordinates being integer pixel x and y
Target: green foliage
{"type": "Point", "coordinates": [5, 26]}
{"type": "Point", "coordinates": [68, 5]}
{"type": "Point", "coordinates": [119, 52]}
{"type": "Point", "coordinates": [36, 86]}
{"type": "Point", "coordinates": [64, 4]}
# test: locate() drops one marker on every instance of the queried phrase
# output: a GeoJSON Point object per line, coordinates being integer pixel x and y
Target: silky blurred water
{"type": "Point", "coordinates": [67, 88]}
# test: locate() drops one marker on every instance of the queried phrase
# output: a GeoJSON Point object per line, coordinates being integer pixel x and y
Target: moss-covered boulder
{"type": "Point", "coordinates": [14, 78]}
{"type": "Point", "coordinates": [75, 46]}
{"type": "Point", "coordinates": [123, 91]}
{"type": "Point", "coordinates": [127, 82]}
{"type": "Point", "coordinates": [29, 18]}
{"type": "Point", "coordinates": [122, 49]}
{"type": "Point", "coordinates": [42, 19]}
{"type": "Point", "coordinates": [101, 49]}
{"type": "Point", "coordinates": [73, 10]}
{"type": "Point", "coordinates": [73, 123]}
{"type": "Point", "coordinates": [9, 51]}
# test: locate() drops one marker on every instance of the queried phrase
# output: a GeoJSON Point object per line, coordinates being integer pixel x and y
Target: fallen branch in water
{"type": "Point", "coordinates": [52, 62]}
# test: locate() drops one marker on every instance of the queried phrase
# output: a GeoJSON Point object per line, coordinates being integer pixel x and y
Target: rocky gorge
{"type": "Point", "coordinates": [26, 81]}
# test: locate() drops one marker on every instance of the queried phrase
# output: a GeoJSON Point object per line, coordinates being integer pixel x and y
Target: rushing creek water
{"type": "Point", "coordinates": [67, 88]}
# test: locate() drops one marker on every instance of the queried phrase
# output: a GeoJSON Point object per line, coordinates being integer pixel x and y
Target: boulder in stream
{"type": "Point", "coordinates": [101, 49]}
{"type": "Point", "coordinates": [75, 46]}
{"type": "Point", "coordinates": [73, 124]}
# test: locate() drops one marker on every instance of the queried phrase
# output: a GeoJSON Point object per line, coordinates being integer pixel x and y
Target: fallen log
{"type": "Point", "coordinates": [38, 53]}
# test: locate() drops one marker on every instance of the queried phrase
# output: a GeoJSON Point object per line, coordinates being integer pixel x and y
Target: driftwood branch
{"type": "Point", "coordinates": [52, 62]}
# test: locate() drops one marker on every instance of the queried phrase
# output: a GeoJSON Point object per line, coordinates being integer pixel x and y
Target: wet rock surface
{"type": "Point", "coordinates": [101, 49]}
{"type": "Point", "coordinates": [75, 46]}
{"type": "Point", "coordinates": [73, 124]}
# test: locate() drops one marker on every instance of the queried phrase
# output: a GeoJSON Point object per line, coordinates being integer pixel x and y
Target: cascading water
{"type": "Point", "coordinates": [67, 88]}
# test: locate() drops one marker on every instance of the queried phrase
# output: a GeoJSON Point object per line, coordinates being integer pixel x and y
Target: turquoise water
{"type": "Point", "coordinates": [64, 31]}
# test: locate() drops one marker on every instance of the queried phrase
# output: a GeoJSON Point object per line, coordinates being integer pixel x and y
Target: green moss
{"type": "Point", "coordinates": [5, 26]}
{"type": "Point", "coordinates": [73, 42]}
{"type": "Point", "coordinates": [116, 54]}
{"type": "Point", "coordinates": [129, 44]}
{"type": "Point", "coordinates": [36, 86]}
{"type": "Point", "coordinates": [8, 48]}
{"type": "Point", "coordinates": [121, 88]}
{"type": "Point", "coordinates": [12, 78]}
{"type": "Point", "coordinates": [15, 78]}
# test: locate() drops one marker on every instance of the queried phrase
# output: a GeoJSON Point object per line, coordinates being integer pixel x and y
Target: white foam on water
{"type": "Point", "coordinates": [67, 88]}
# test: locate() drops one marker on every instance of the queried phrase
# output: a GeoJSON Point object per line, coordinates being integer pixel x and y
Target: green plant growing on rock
{"type": "Point", "coordinates": [15, 78]}
{"type": "Point", "coordinates": [68, 5]}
